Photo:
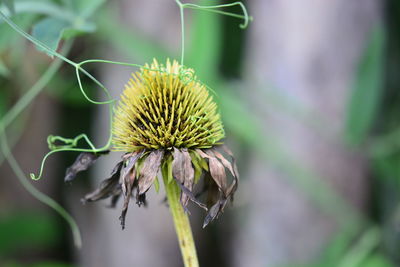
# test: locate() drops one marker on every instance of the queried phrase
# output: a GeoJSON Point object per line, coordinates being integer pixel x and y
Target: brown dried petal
{"type": "Point", "coordinates": [114, 198]}
{"type": "Point", "coordinates": [183, 171]}
{"type": "Point", "coordinates": [129, 180]}
{"type": "Point", "coordinates": [148, 173]}
{"type": "Point", "coordinates": [216, 200]}
{"type": "Point", "coordinates": [233, 187]}
{"type": "Point", "coordinates": [229, 152]}
{"type": "Point", "coordinates": [127, 171]}
{"type": "Point", "coordinates": [190, 196]}
{"type": "Point", "coordinates": [82, 163]}
{"type": "Point", "coordinates": [213, 192]}
{"type": "Point", "coordinates": [107, 188]}
{"type": "Point", "coordinates": [141, 200]}
{"type": "Point", "coordinates": [217, 171]}
{"type": "Point", "coordinates": [224, 162]}
{"type": "Point", "coordinates": [214, 212]}
{"type": "Point", "coordinates": [202, 154]}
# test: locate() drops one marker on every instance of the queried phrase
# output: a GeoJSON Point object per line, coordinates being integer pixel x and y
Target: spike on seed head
{"type": "Point", "coordinates": [166, 122]}
{"type": "Point", "coordinates": [165, 107]}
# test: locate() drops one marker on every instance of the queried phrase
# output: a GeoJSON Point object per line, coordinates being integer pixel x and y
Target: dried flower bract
{"type": "Point", "coordinates": [167, 123]}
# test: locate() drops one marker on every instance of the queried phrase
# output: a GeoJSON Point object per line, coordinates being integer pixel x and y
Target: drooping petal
{"type": "Point", "coordinates": [183, 172]}
{"type": "Point", "coordinates": [212, 189]}
{"type": "Point", "coordinates": [224, 162]}
{"type": "Point", "coordinates": [115, 198]}
{"type": "Point", "coordinates": [129, 163]}
{"type": "Point", "coordinates": [189, 194]}
{"type": "Point", "coordinates": [233, 187]}
{"type": "Point", "coordinates": [217, 171]}
{"type": "Point", "coordinates": [229, 152]}
{"type": "Point", "coordinates": [148, 173]}
{"type": "Point", "coordinates": [214, 212]}
{"type": "Point", "coordinates": [141, 199]}
{"type": "Point", "coordinates": [107, 188]}
{"type": "Point", "coordinates": [129, 180]}
{"type": "Point", "coordinates": [214, 199]}
{"type": "Point", "coordinates": [82, 163]}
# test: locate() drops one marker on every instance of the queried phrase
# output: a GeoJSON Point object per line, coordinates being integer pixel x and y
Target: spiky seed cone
{"type": "Point", "coordinates": [167, 121]}
{"type": "Point", "coordinates": [164, 107]}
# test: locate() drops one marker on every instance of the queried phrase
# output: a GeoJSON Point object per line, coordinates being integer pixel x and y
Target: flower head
{"type": "Point", "coordinates": [167, 123]}
{"type": "Point", "coordinates": [164, 107]}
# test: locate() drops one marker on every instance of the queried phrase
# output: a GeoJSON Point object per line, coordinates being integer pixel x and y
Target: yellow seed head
{"type": "Point", "coordinates": [164, 107]}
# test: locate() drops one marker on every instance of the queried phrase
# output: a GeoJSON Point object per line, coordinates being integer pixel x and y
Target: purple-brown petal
{"type": "Point", "coordinates": [107, 188]}
{"type": "Point", "coordinates": [229, 152]}
{"type": "Point", "coordinates": [82, 163]}
{"type": "Point", "coordinates": [178, 165]}
{"type": "Point", "coordinates": [183, 172]}
{"type": "Point", "coordinates": [190, 196]}
{"type": "Point", "coordinates": [130, 163]}
{"type": "Point", "coordinates": [217, 171]}
{"type": "Point", "coordinates": [141, 199]}
{"type": "Point", "coordinates": [213, 192]}
{"type": "Point", "coordinates": [148, 173]}
{"type": "Point", "coordinates": [224, 162]}
{"type": "Point", "coordinates": [214, 212]}
{"type": "Point", "coordinates": [114, 199]}
{"type": "Point", "coordinates": [127, 171]}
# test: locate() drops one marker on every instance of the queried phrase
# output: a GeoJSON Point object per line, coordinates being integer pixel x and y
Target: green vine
{"type": "Point", "coordinates": [58, 143]}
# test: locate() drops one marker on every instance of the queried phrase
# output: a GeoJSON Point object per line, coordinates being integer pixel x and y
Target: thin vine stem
{"type": "Point", "coordinates": [53, 53]}
{"type": "Point", "coordinates": [34, 40]}
{"type": "Point", "coordinates": [36, 193]}
{"type": "Point", "coordinates": [245, 15]}
{"type": "Point", "coordinates": [212, 8]}
{"type": "Point", "coordinates": [15, 134]}
{"type": "Point", "coordinates": [182, 15]}
{"type": "Point", "coordinates": [181, 220]}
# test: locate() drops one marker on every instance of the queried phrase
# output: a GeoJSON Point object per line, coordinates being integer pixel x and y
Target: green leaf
{"type": "Point", "coordinates": [27, 230]}
{"type": "Point", "coordinates": [49, 31]}
{"type": "Point", "coordinates": [366, 93]}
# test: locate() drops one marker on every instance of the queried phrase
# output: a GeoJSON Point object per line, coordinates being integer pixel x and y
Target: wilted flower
{"type": "Point", "coordinates": [167, 120]}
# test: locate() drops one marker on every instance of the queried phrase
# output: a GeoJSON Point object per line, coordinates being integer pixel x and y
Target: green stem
{"type": "Point", "coordinates": [182, 225]}
{"type": "Point", "coordinates": [4, 148]}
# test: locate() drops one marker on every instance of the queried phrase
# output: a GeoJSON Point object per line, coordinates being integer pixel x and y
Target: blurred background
{"type": "Point", "coordinates": [308, 95]}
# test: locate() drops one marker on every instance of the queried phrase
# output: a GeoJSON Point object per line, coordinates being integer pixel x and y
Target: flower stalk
{"type": "Point", "coordinates": [182, 224]}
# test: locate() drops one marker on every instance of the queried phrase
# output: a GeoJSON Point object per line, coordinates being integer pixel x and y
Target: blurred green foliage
{"type": "Point", "coordinates": [25, 231]}
{"type": "Point", "coordinates": [366, 94]}
{"type": "Point", "coordinates": [53, 21]}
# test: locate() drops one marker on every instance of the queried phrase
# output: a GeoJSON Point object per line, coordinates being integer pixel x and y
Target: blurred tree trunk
{"type": "Point", "coordinates": [308, 50]}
